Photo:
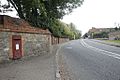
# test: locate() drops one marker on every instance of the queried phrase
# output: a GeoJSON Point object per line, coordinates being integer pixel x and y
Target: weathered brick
{"type": "Point", "coordinates": [34, 40]}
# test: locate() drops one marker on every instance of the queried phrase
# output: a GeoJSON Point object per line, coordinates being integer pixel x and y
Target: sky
{"type": "Point", "coordinates": [12, 14]}
{"type": "Point", "coordinates": [93, 13]}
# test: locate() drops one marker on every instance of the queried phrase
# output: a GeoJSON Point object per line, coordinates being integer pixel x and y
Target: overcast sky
{"type": "Point", "coordinates": [12, 14]}
{"type": "Point", "coordinates": [93, 13]}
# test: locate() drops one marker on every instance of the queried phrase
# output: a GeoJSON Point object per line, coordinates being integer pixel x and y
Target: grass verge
{"type": "Point", "coordinates": [114, 41]}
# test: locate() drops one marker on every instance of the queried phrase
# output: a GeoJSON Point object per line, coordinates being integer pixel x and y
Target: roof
{"type": "Point", "coordinates": [97, 30]}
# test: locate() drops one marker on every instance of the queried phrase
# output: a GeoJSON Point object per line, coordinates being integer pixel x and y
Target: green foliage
{"type": "Point", "coordinates": [46, 14]}
{"type": "Point", "coordinates": [56, 28]}
{"type": "Point", "coordinates": [76, 34]}
{"type": "Point", "coordinates": [116, 28]}
{"type": "Point", "coordinates": [41, 13]}
{"type": "Point", "coordinates": [60, 29]}
{"type": "Point", "coordinates": [100, 35]}
{"type": "Point", "coordinates": [58, 8]}
{"type": "Point", "coordinates": [114, 41]}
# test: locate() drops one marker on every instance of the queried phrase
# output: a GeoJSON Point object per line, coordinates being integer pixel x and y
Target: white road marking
{"type": "Point", "coordinates": [69, 47]}
{"type": "Point", "coordinates": [114, 55]}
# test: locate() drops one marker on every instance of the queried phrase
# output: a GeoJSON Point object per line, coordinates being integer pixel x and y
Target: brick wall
{"type": "Point", "coordinates": [63, 40]}
{"type": "Point", "coordinates": [4, 46]}
{"type": "Point", "coordinates": [32, 44]}
{"type": "Point", "coordinates": [35, 41]}
{"type": "Point", "coordinates": [19, 25]}
{"type": "Point", "coordinates": [58, 40]}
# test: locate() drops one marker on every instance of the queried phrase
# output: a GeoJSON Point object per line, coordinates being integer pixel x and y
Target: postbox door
{"type": "Point", "coordinates": [17, 51]}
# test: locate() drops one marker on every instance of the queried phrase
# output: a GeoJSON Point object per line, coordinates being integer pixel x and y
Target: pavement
{"type": "Point", "coordinates": [32, 68]}
{"type": "Point", "coordinates": [90, 60]}
{"type": "Point", "coordinates": [62, 70]}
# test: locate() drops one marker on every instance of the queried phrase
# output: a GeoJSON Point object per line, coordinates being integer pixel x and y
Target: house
{"type": "Point", "coordinates": [94, 30]}
{"type": "Point", "coordinates": [114, 35]}
{"type": "Point", "coordinates": [19, 39]}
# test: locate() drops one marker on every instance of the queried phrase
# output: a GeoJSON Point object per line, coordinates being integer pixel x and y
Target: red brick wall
{"type": "Point", "coordinates": [54, 40]}
{"type": "Point", "coordinates": [20, 25]}
{"type": "Point", "coordinates": [57, 40]}
{"type": "Point", "coordinates": [63, 40]}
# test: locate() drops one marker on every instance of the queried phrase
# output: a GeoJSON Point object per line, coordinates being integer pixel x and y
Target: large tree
{"type": "Point", "coordinates": [59, 8]}
{"type": "Point", "coordinates": [41, 12]}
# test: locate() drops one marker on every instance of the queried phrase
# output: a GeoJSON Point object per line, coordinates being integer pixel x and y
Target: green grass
{"type": "Point", "coordinates": [114, 41]}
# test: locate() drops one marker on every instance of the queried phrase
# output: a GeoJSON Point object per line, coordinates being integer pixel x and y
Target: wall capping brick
{"type": "Point", "coordinates": [19, 25]}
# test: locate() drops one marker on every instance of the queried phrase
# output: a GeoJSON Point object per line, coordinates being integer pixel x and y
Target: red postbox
{"type": "Point", "coordinates": [16, 46]}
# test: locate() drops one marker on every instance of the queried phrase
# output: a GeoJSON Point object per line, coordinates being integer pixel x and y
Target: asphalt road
{"type": "Point", "coordinates": [90, 60]}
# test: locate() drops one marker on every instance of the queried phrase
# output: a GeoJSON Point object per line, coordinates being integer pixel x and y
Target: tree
{"type": "Point", "coordinates": [61, 29]}
{"type": "Point", "coordinates": [43, 12]}
{"type": "Point", "coordinates": [116, 28]}
{"type": "Point", "coordinates": [101, 35]}
{"type": "Point", "coordinates": [5, 7]}
{"type": "Point", "coordinates": [47, 14]}
{"type": "Point", "coordinates": [119, 27]}
{"type": "Point", "coordinates": [57, 28]}
{"type": "Point", "coordinates": [76, 33]}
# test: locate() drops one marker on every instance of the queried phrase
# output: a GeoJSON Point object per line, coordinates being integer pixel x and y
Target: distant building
{"type": "Point", "coordinates": [94, 30]}
{"type": "Point", "coordinates": [114, 35]}
{"type": "Point", "coordinates": [99, 30]}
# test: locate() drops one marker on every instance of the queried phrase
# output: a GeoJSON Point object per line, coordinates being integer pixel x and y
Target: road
{"type": "Point", "coordinates": [89, 60]}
